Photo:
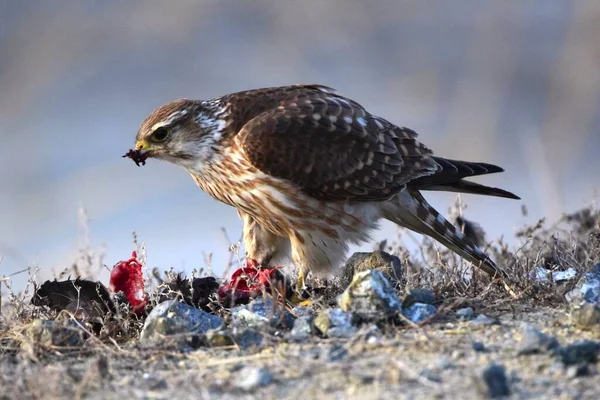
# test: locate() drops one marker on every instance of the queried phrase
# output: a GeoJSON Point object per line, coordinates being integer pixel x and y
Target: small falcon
{"type": "Point", "coordinates": [310, 172]}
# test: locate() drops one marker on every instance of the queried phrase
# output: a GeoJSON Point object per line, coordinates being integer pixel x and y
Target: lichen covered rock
{"type": "Point", "coordinates": [370, 297]}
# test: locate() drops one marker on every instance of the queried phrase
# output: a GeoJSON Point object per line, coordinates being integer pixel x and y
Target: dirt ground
{"type": "Point", "coordinates": [435, 361]}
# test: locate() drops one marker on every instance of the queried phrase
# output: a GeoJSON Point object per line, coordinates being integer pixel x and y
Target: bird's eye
{"type": "Point", "coordinates": [160, 134]}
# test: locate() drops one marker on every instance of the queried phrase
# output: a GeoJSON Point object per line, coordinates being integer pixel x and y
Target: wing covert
{"type": "Point", "coordinates": [333, 149]}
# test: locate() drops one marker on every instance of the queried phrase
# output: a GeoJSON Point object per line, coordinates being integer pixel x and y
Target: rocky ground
{"type": "Point", "coordinates": [392, 327]}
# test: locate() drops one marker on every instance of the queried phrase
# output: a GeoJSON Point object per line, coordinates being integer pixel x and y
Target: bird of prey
{"type": "Point", "coordinates": [311, 172]}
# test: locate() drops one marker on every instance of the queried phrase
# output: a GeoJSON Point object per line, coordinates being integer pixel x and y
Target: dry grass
{"type": "Point", "coordinates": [78, 371]}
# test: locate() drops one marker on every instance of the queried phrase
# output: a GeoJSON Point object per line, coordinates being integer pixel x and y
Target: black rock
{"type": "Point", "coordinates": [583, 351]}
{"type": "Point", "coordinates": [478, 347]}
{"type": "Point", "coordinates": [425, 296]}
{"type": "Point", "coordinates": [496, 381]}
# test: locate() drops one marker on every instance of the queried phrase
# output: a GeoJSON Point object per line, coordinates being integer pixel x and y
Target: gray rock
{"type": "Point", "coordinates": [587, 289]}
{"type": "Point", "coordinates": [65, 333]}
{"type": "Point", "coordinates": [244, 338]}
{"type": "Point", "coordinates": [545, 275]}
{"type": "Point", "coordinates": [370, 297]}
{"type": "Point", "coordinates": [585, 315]}
{"type": "Point", "coordinates": [425, 296]}
{"type": "Point", "coordinates": [496, 381]}
{"type": "Point", "coordinates": [262, 311]}
{"type": "Point", "coordinates": [378, 260]}
{"type": "Point", "coordinates": [174, 320]}
{"type": "Point", "coordinates": [465, 313]}
{"type": "Point", "coordinates": [534, 341]}
{"type": "Point", "coordinates": [302, 330]}
{"type": "Point", "coordinates": [302, 311]}
{"type": "Point", "coordinates": [334, 322]}
{"type": "Point", "coordinates": [580, 352]}
{"type": "Point", "coordinates": [419, 312]}
{"type": "Point", "coordinates": [251, 378]}
{"type": "Point", "coordinates": [484, 320]}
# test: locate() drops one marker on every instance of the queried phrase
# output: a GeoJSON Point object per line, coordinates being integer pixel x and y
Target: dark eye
{"type": "Point", "coordinates": [160, 134]}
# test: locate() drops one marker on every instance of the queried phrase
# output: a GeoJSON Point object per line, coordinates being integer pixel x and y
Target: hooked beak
{"type": "Point", "coordinates": [141, 153]}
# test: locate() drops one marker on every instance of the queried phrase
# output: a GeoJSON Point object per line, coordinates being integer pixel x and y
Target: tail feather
{"type": "Point", "coordinates": [469, 187]}
{"type": "Point", "coordinates": [449, 177]}
{"type": "Point", "coordinates": [416, 214]}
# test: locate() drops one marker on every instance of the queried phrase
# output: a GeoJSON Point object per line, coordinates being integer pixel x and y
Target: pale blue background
{"type": "Point", "coordinates": [510, 82]}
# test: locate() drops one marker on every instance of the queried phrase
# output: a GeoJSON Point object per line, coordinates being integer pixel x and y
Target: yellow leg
{"type": "Point", "coordinates": [300, 282]}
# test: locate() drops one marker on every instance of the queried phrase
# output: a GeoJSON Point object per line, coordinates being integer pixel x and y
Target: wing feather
{"type": "Point", "coordinates": [333, 149]}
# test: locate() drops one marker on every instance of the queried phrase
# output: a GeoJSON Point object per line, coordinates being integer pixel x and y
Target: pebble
{"type": "Point", "coordinates": [172, 318]}
{"type": "Point", "coordinates": [64, 333]}
{"type": "Point", "coordinates": [465, 313]}
{"type": "Point", "coordinates": [302, 330]}
{"type": "Point", "coordinates": [574, 371]}
{"type": "Point", "coordinates": [587, 288]}
{"type": "Point", "coordinates": [478, 347]}
{"type": "Point", "coordinates": [260, 312]}
{"type": "Point", "coordinates": [336, 353]}
{"type": "Point", "coordinates": [334, 322]}
{"type": "Point", "coordinates": [370, 297]}
{"type": "Point", "coordinates": [484, 320]}
{"type": "Point", "coordinates": [419, 312]}
{"type": "Point", "coordinates": [496, 381]}
{"type": "Point", "coordinates": [585, 315]}
{"type": "Point", "coordinates": [545, 275]}
{"type": "Point", "coordinates": [580, 352]}
{"type": "Point", "coordinates": [533, 341]}
{"type": "Point", "coordinates": [251, 378]}
{"type": "Point", "coordinates": [413, 296]}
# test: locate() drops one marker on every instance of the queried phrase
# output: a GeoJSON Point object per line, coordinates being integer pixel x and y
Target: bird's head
{"type": "Point", "coordinates": [183, 132]}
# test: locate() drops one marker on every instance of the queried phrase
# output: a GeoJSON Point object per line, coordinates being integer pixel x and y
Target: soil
{"type": "Point", "coordinates": [438, 360]}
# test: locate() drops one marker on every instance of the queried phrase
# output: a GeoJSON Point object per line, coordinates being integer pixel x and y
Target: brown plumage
{"type": "Point", "coordinates": [310, 171]}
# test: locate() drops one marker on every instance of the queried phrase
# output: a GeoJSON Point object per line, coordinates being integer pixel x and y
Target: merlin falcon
{"type": "Point", "coordinates": [311, 172]}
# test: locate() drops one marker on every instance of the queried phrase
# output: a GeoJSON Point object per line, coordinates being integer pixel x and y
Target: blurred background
{"type": "Point", "coordinates": [515, 83]}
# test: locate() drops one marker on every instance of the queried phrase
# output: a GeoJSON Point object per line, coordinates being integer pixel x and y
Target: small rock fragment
{"type": "Point", "coordinates": [370, 297]}
{"type": "Point", "coordinates": [262, 311]}
{"type": "Point", "coordinates": [302, 330]}
{"type": "Point", "coordinates": [545, 275]}
{"type": "Point", "coordinates": [247, 338]}
{"type": "Point", "coordinates": [336, 353]}
{"type": "Point", "coordinates": [419, 312]}
{"type": "Point", "coordinates": [64, 333]}
{"type": "Point", "coordinates": [583, 351]}
{"type": "Point", "coordinates": [465, 313]}
{"type": "Point", "coordinates": [425, 296]}
{"type": "Point", "coordinates": [478, 347]}
{"type": "Point", "coordinates": [496, 381]}
{"type": "Point", "coordinates": [574, 371]}
{"type": "Point", "coordinates": [585, 315]}
{"type": "Point", "coordinates": [484, 320]}
{"type": "Point", "coordinates": [172, 318]}
{"type": "Point", "coordinates": [251, 378]}
{"type": "Point", "coordinates": [587, 289]}
{"type": "Point", "coordinates": [534, 341]}
{"type": "Point", "coordinates": [378, 260]}
{"type": "Point", "coordinates": [334, 322]}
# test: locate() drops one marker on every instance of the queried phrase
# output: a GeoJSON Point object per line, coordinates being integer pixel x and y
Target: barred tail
{"type": "Point", "coordinates": [416, 214]}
